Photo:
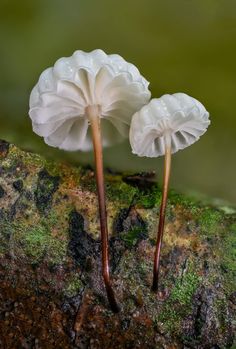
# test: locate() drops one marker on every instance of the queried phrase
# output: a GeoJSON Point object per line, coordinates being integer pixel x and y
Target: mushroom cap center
{"type": "Point", "coordinates": [93, 111]}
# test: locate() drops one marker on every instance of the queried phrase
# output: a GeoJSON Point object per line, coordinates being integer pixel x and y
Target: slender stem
{"type": "Point", "coordinates": [167, 167]}
{"type": "Point", "coordinates": [93, 114]}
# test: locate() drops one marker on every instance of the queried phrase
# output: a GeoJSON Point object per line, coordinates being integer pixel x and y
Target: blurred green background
{"type": "Point", "coordinates": [178, 45]}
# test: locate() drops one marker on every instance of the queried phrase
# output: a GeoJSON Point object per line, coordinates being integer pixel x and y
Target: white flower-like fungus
{"type": "Point", "coordinates": [178, 119]}
{"type": "Point", "coordinates": [164, 126]}
{"type": "Point", "coordinates": [59, 100]}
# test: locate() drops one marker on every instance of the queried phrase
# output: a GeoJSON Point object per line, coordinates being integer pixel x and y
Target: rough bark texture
{"type": "Point", "coordinates": [51, 292]}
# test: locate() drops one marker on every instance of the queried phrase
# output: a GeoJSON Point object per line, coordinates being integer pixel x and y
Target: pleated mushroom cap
{"type": "Point", "coordinates": [59, 100]}
{"type": "Point", "coordinates": [181, 118]}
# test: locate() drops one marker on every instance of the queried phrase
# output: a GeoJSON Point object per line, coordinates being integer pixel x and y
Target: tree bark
{"type": "Point", "coordinates": [51, 289]}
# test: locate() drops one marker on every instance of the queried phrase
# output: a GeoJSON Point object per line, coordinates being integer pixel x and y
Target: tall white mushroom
{"type": "Point", "coordinates": [164, 126]}
{"type": "Point", "coordinates": [85, 102]}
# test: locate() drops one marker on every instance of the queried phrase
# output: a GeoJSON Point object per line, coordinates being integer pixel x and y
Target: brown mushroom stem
{"type": "Point", "coordinates": [93, 114]}
{"type": "Point", "coordinates": [167, 167]}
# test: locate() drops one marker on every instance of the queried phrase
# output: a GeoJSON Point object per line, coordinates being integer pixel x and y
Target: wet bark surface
{"type": "Point", "coordinates": [51, 291]}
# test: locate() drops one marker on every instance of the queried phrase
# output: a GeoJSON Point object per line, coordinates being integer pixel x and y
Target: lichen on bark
{"type": "Point", "coordinates": [51, 291]}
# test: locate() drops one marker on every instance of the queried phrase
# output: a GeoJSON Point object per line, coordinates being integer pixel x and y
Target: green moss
{"type": "Point", "coordinates": [179, 303]}
{"type": "Point", "coordinates": [39, 243]}
{"type": "Point", "coordinates": [65, 171]}
{"type": "Point", "coordinates": [35, 242]}
{"type": "Point", "coordinates": [120, 191]}
{"type": "Point", "coordinates": [149, 198]}
{"type": "Point", "coordinates": [185, 288]}
{"type": "Point", "coordinates": [181, 199]}
{"type": "Point", "coordinates": [36, 161]}
{"type": "Point", "coordinates": [128, 266]}
{"type": "Point", "coordinates": [73, 286]}
{"type": "Point", "coordinates": [222, 309]}
{"type": "Point", "coordinates": [28, 159]}
{"type": "Point", "coordinates": [132, 236]}
{"type": "Point", "coordinates": [53, 168]}
{"type": "Point", "coordinates": [145, 268]}
{"type": "Point", "coordinates": [227, 257]}
{"type": "Point", "coordinates": [210, 220]}
{"type": "Point", "coordinates": [169, 318]}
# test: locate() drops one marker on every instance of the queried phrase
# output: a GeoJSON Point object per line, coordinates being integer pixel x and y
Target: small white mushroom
{"type": "Point", "coordinates": [89, 89]}
{"type": "Point", "coordinates": [164, 126]}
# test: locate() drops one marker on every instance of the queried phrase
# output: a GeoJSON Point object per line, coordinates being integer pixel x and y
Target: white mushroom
{"type": "Point", "coordinates": [59, 102]}
{"type": "Point", "coordinates": [164, 126]}
{"type": "Point", "coordinates": [89, 89]}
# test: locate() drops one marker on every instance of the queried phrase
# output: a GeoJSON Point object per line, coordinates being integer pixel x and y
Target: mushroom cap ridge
{"type": "Point", "coordinates": [59, 100]}
{"type": "Point", "coordinates": [181, 118]}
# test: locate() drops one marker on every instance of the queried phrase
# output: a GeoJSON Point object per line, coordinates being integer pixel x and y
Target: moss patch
{"type": "Point", "coordinates": [39, 243]}
{"type": "Point", "coordinates": [185, 288]}
{"type": "Point", "coordinates": [58, 245]}
{"type": "Point", "coordinates": [73, 286]}
{"type": "Point", "coordinates": [42, 240]}
{"type": "Point", "coordinates": [149, 198]}
{"type": "Point", "coordinates": [119, 191]}
{"type": "Point", "coordinates": [227, 258]}
{"type": "Point", "coordinates": [133, 236]}
{"type": "Point", "coordinates": [179, 302]}
{"type": "Point", "coordinates": [183, 200]}
{"type": "Point", "coordinates": [210, 220]}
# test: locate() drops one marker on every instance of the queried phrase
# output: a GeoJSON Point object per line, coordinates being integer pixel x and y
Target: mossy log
{"type": "Point", "coordinates": [51, 291]}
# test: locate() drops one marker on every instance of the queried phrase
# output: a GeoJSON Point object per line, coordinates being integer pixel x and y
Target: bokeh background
{"type": "Point", "coordinates": [178, 45]}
